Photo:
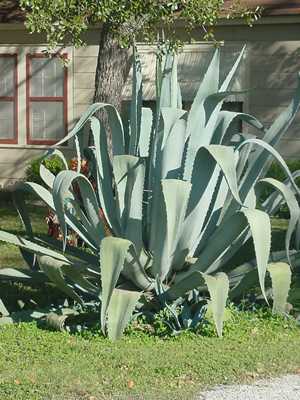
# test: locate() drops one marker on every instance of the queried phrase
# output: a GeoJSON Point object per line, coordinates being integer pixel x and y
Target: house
{"type": "Point", "coordinates": [40, 100]}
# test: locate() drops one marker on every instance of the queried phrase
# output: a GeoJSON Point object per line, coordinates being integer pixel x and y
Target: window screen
{"type": "Point", "coordinates": [8, 99]}
{"type": "Point", "coordinates": [46, 99]}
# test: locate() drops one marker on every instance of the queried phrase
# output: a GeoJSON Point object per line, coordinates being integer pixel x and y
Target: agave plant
{"type": "Point", "coordinates": [173, 203]}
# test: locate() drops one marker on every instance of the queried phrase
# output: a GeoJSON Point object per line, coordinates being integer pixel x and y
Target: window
{"type": "Point", "coordinates": [46, 99]}
{"type": "Point", "coordinates": [8, 99]}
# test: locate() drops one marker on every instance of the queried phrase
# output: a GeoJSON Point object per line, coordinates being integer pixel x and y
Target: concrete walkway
{"type": "Point", "coordinates": [285, 388]}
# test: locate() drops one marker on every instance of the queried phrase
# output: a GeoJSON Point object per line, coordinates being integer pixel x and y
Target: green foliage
{"type": "Point", "coordinates": [276, 172]}
{"type": "Point", "coordinates": [66, 21]}
{"type": "Point", "coordinates": [54, 164]}
{"type": "Point", "coordinates": [168, 212]}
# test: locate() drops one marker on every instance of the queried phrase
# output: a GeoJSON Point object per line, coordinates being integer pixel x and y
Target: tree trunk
{"type": "Point", "coordinates": [112, 69]}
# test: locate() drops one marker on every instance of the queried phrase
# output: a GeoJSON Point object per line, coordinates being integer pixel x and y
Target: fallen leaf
{"type": "Point", "coordinates": [130, 384]}
{"type": "Point", "coordinates": [17, 382]}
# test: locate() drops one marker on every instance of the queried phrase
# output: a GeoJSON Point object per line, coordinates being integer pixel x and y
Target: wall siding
{"type": "Point", "coordinates": [272, 64]}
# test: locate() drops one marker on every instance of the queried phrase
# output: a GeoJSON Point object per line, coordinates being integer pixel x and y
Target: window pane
{"type": "Point", "coordinates": [47, 120]}
{"type": "Point", "coordinates": [47, 77]}
{"type": "Point", "coordinates": [6, 120]}
{"type": "Point", "coordinates": [7, 66]}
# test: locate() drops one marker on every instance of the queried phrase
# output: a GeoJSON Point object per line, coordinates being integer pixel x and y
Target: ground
{"type": "Point", "coordinates": [36, 364]}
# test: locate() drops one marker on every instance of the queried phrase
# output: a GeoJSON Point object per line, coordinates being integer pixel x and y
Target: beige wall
{"type": "Point", "coordinates": [270, 69]}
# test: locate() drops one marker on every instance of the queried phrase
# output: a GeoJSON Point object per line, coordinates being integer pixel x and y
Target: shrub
{"type": "Point", "coordinates": [54, 164]}
{"type": "Point", "coordinates": [163, 219]}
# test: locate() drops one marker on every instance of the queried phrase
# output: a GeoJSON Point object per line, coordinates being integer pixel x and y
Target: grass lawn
{"type": "Point", "coordinates": [37, 364]}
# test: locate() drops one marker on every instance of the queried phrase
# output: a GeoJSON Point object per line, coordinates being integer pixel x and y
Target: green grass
{"type": "Point", "coordinates": [9, 221]}
{"type": "Point", "coordinates": [37, 364]}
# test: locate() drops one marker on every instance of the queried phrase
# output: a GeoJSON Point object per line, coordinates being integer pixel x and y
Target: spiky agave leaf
{"type": "Point", "coordinates": [218, 287]}
{"type": "Point", "coordinates": [281, 277]}
{"type": "Point", "coordinates": [121, 307]}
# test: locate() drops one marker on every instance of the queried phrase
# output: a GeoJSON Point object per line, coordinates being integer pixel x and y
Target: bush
{"type": "Point", "coordinates": [163, 212]}
{"type": "Point", "coordinates": [54, 164]}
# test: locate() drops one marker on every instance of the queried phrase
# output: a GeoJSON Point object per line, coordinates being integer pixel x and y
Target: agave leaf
{"type": "Point", "coordinates": [228, 80]}
{"type": "Point", "coordinates": [205, 109]}
{"type": "Point", "coordinates": [218, 287]}
{"type": "Point", "coordinates": [284, 120]}
{"type": "Point", "coordinates": [255, 170]}
{"type": "Point", "coordinates": [231, 250]}
{"type": "Point", "coordinates": [113, 252]}
{"type": "Point", "coordinates": [224, 157]}
{"type": "Point", "coordinates": [169, 90]}
{"type": "Point", "coordinates": [145, 134]}
{"type": "Point", "coordinates": [121, 307]}
{"type": "Point", "coordinates": [168, 120]}
{"type": "Point", "coordinates": [209, 85]}
{"type": "Point", "coordinates": [61, 186]}
{"type": "Point", "coordinates": [180, 288]}
{"type": "Point", "coordinates": [219, 241]}
{"type": "Point", "coordinates": [53, 269]}
{"type": "Point", "coordinates": [20, 205]}
{"type": "Point", "coordinates": [226, 234]}
{"type": "Point", "coordinates": [104, 176]}
{"type": "Point", "coordinates": [260, 227]}
{"type": "Point", "coordinates": [161, 162]}
{"type": "Point", "coordinates": [126, 169]}
{"type": "Point", "coordinates": [293, 207]}
{"type": "Point", "coordinates": [160, 61]}
{"type": "Point", "coordinates": [281, 276]}
{"type": "Point", "coordinates": [134, 271]}
{"type": "Point", "coordinates": [170, 117]}
{"type": "Point", "coordinates": [225, 119]}
{"type": "Point", "coordinates": [245, 277]}
{"type": "Point", "coordinates": [244, 158]}
{"type": "Point", "coordinates": [251, 179]}
{"type": "Point", "coordinates": [71, 220]}
{"type": "Point", "coordinates": [129, 174]}
{"type": "Point", "coordinates": [74, 253]}
{"type": "Point", "coordinates": [173, 144]}
{"type": "Point", "coordinates": [242, 279]}
{"type": "Point", "coordinates": [271, 138]}
{"type": "Point", "coordinates": [47, 176]}
{"type": "Point", "coordinates": [115, 122]}
{"type": "Point", "coordinates": [18, 275]}
{"type": "Point", "coordinates": [274, 201]}
{"type": "Point", "coordinates": [3, 310]}
{"type": "Point", "coordinates": [210, 161]}
{"type": "Point", "coordinates": [77, 276]}
{"type": "Point", "coordinates": [136, 104]}
{"type": "Point", "coordinates": [30, 246]}
{"type": "Point", "coordinates": [78, 153]}
{"type": "Point", "coordinates": [175, 195]}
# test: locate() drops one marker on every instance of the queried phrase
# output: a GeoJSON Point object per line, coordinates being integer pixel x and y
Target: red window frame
{"type": "Point", "coordinates": [13, 99]}
{"type": "Point", "coordinates": [62, 99]}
